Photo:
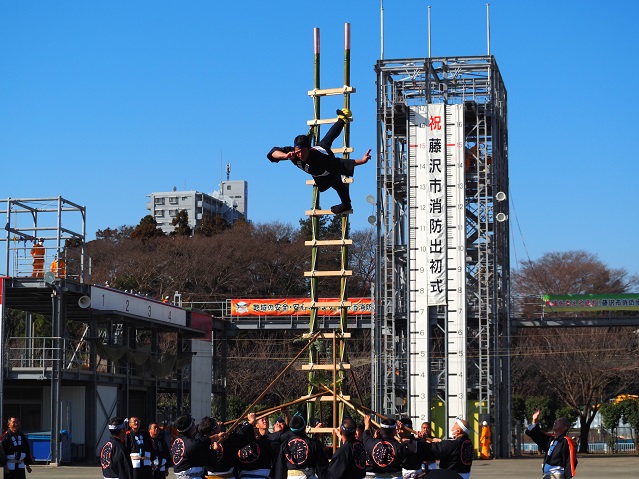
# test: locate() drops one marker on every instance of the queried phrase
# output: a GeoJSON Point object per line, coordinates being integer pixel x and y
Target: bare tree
{"type": "Point", "coordinates": [568, 272]}
{"type": "Point", "coordinates": [583, 367]}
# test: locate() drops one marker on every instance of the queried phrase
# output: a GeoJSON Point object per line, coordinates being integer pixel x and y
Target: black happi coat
{"type": "Point", "coordinates": [385, 454]}
{"type": "Point", "coordinates": [348, 462]}
{"type": "Point", "coordinates": [563, 454]}
{"type": "Point", "coordinates": [115, 460]}
{"type": "Point", "coordinates": [297, 452]}
{"type": "Point", "coordinates": [455, 454]}
{"type": "Point", "coordinates": [188, 452]}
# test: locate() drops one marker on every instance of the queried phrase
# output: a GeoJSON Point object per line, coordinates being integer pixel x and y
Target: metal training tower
{"type": "Point", "coordinates": [441, 334]}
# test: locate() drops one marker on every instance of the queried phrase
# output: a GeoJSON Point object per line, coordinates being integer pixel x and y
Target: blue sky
{"type": "Point", "coordinates": [104, 102]}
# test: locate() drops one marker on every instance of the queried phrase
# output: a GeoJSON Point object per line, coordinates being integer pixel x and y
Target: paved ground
{"type": "Point", "coordinates": [590, 467]}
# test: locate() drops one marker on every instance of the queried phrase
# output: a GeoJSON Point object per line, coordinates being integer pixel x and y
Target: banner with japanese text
{"type": "Point", "coordinates": [295, 307]}
{"type": "Point", "coordinates": [435, 210]}
{"type": "Point", "coordinates": [591, 302]}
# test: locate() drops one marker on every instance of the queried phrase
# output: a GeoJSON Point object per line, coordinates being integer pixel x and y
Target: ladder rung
{"type": "Point", "coordinates": [343, 149]}
{"type": "Point", "coordinates": [325, 121]}
{"type": "Point", "coordinates": [345, 179]}
{"type": "Point", "coordinates": [331, 91]}
{"type": "Point", "coordinates": [342, 242]}
{"type": "Point", "coordinates": [327, 304]}
{"type": "Point", "coordinates": [328, 335]}
{"type": "Point", "coordinates": [325, 367]}
{"type": "Point", "coordinates": [341, 272]}
{"type": "Point", "coordinates": [324, 212]}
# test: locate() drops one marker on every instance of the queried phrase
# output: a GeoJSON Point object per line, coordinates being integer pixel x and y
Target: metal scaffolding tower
{"type": "Point", "coordinates": [441, 331]}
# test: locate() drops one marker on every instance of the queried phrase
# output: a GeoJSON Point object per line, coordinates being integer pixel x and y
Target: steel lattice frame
{"type": "Point", "coordinates": [475, 83]}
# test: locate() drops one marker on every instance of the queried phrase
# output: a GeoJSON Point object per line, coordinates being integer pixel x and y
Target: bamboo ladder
{"type": "Point", "coordinates": [338, 337]}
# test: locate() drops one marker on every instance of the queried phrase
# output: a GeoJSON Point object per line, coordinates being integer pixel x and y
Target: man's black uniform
{"type": "Point", "coordinates": [15, 454]}
{"type": "Point", "coordinates": [160, 458]}
{"type": "Point", "coordinates": [323, 166]}
{"type": "Point", "coordinates": [348, 462]}
{"type": "Point", "coordinates": [385, 455]}
{"type": "Point", "coordinates": [115, 460]}
{"type": "Point", "coordinates": [226, 453]}
{"type": "Point", "coordinates": [190, 456]}
{"type": "Point", "coordinates": [139, 446]}
{"type": "Point", "coordinates": [300, 455]}
{"type": "Point", "coordinates": [255, 460]}
{"type": "Point", "coordinates": [560, 456]}
{"type": "Point", "coordinates": [455, 454]}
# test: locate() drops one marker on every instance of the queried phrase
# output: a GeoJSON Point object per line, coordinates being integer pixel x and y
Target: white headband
{"type": "Point", "coordinates": [388, 426]}
{"type": "Point", "coordinates": [461, 425]}
{"type": "Point", "coordinates": [117, 427]}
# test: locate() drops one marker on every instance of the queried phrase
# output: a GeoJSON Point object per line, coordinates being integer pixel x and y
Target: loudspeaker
{"type": "Point", "coordinates": [501, 217]}
{"type": "Point", "coordinates": [84, 302]}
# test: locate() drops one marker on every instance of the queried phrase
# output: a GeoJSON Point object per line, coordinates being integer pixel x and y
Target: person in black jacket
{"type": "Point", "coordinates": [138, 443]}
{"type": "Point", "coordinates": [349, 461]}
{"type": "Point", "coordinates": [191, 454]}
{"type": "Point", "coordinates": [114, 456]}
{"type": "Point", "coordinates": [455, 454]}
{"type": "Point", "coordinates": [256, 459]}
{"type": "Point", "coordinates": [229, 445]}
{"type": "Point", "coordinates": [560, 460]}
{"type": "Point", "coordinates": [385, 454]}
{"type": "Point", "coordinates": [320, 162]}
{"type": "Point", "coordinates": [300, 457]}
{"type": "Point", "coordinates": [15, 454]}
{"type": "Point", "coordinates": [160, 454]}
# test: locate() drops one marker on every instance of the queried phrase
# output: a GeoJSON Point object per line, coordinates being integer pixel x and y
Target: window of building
{"type": "Point", "coordinates": [173, 200]}
{"type": "Point", "coordinates": [228, 187]}
{"type": "Point", "coordinates": [159, 201]}
{"type": "Point", "coordinates": [159, 213]}
{"type": "Point", "coordinates": [172, 212]}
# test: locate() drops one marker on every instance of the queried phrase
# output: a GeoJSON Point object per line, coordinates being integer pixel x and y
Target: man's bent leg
{"type": "Point", "coordinates": [332, 133]}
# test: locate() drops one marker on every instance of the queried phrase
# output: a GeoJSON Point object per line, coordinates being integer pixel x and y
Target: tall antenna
{"type": "Point", "coordinates": [381, 28]}
{"type": "Point", "coordinates": [488, 26]}
{"type": "Point", "coordinates": [221, 169]}
{"type": "Point", "coordinates": [429, 31]}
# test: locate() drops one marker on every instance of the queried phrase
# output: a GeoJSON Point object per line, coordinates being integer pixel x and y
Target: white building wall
{"type": "Point", "coordinates": [201, 367]}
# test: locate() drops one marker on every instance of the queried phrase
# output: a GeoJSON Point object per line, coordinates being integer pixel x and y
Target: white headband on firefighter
{"type": "Point", "coordinates": [117, 427]}
{"type": "Point", "coordinates": [461, 425]}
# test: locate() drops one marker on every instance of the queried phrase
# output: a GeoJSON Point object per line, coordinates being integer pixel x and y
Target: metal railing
{"type": "Point", "coordinates": [35, 353]}
{"type": "Point", "coordinates": [594, 447]}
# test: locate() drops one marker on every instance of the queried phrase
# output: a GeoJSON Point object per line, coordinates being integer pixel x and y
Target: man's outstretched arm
{"type": "Point", "coordinates": [365, 158]}
{"type": "Point", "coordinates": [284, 153]}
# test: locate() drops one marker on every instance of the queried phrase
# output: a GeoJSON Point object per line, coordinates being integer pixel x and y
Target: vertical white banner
{"type": "Point", "coordinates": [436, 205]}
{"type": "Point", "coordinates": [418, 227]}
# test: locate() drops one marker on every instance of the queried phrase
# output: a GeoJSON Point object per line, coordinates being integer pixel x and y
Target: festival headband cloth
{"type": "Point", "coordinates": [388, 426]}
{"type": "Point", "coordinates": [189, 427]}
{"type": "Point", "coordinates": [118, 427]}
{"type": "Point", "coordinates": [298, 429]}
{"type": "Point", "coordinates": [346, 429]}
{"type": "Point", "coordinates": [461, 425]}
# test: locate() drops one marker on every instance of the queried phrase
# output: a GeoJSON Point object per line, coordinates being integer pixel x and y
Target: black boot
{"type": "Point", "coordinates": [342, 209]}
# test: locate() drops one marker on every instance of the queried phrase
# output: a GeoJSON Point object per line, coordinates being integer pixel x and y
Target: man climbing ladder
{"type": "Point", "coordinates": [320, 162]}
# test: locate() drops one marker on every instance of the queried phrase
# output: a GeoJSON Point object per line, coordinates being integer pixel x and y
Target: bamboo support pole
{"type": "Point", "coordinates": [271, 410]}
{"type": "Point", "coordinates": [352, 406]}
{"type": "Point", "coordinates": [310, 341]}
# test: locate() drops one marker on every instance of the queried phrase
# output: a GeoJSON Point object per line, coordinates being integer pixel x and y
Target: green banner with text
{"type": "Point", "coordinates": [591, 302]}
